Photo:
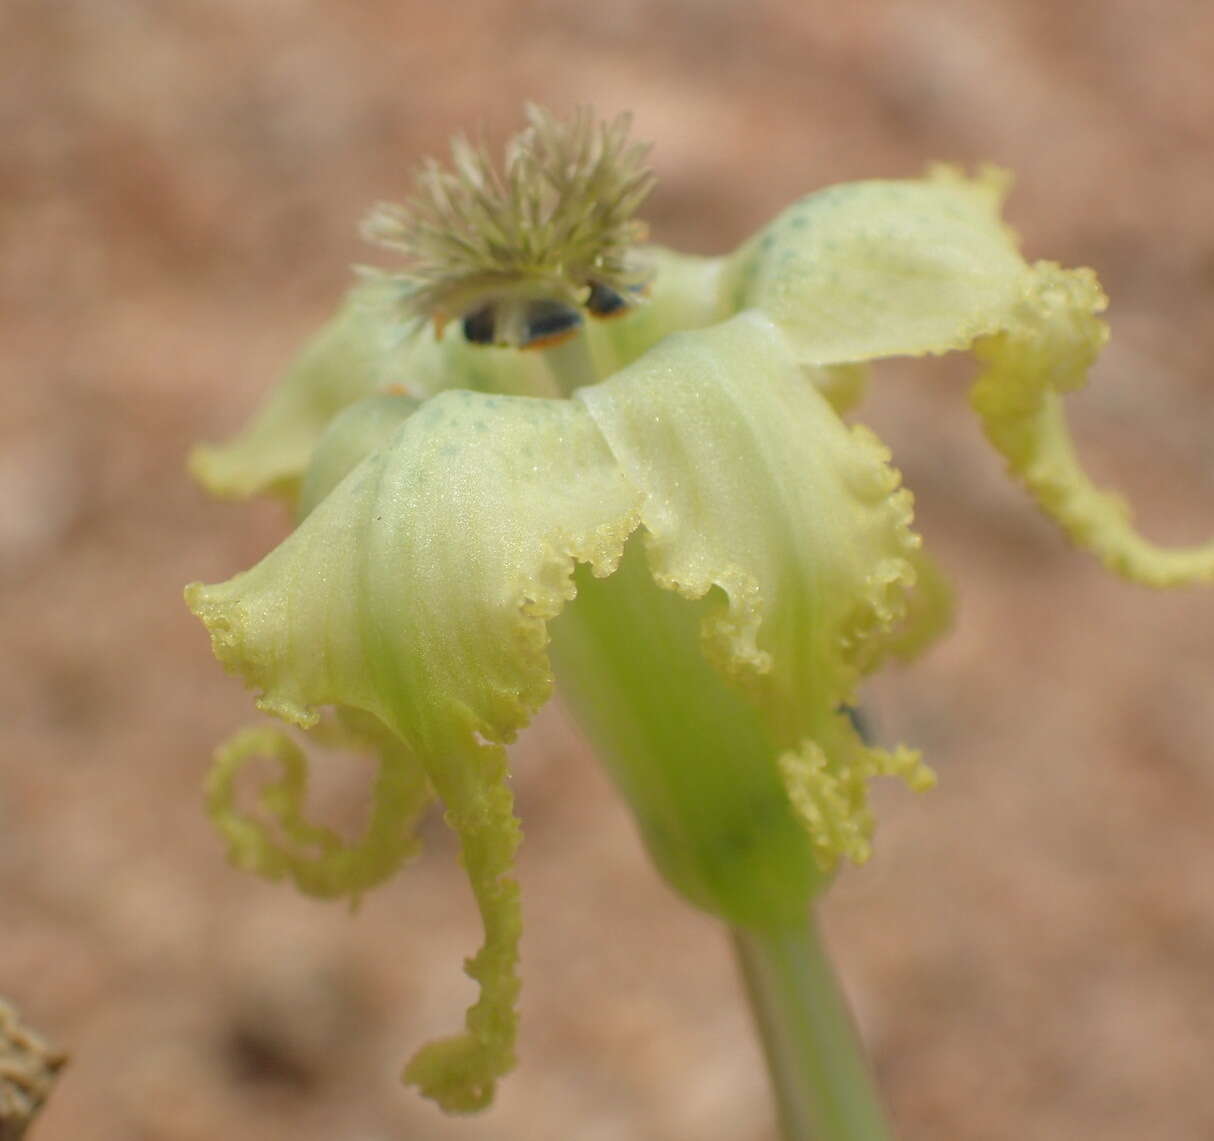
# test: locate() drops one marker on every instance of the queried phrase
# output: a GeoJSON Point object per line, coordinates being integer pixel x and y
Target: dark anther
{"type": "Point", "coordinates": [604, 301]}
{"type": "Point", "coordinates": [479, 326]}
{"type": "Point", "coordinates": [548, 321]}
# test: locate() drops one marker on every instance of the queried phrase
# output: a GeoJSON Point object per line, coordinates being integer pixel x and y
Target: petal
{"type": "Point", "coordinates": [929, 610]}
{"type": "Point", "coordinates": [417, 591]}
{"type": "Point", "coordinates": [364, 349]}
{"type": "Point", "coordinates": [690, 293]}
{"type": "Point", "coordinates": [349, 358]}
{"type": "Point", "coordinates": [352, 435]}
{"type": "Point", "coordinates": [753, 486]}
{"type": "Point", "coordinates": [460, 1072]}
{"type": "Point", "coordinates": [878, 269]}
{"type": "Point", "coordinates": [827, 782]}
{"type": "Point", "coordinates": [1050, 340]}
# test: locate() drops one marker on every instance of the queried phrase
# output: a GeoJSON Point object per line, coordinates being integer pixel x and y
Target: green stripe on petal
{"type": "Point", "coordinates": [418, 591]}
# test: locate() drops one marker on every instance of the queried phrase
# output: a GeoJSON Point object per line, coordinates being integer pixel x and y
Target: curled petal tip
{"type": "Point", "coordinates": [1051, 340]}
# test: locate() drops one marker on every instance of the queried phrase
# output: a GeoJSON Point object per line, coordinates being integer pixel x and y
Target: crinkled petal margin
{"type": "Point", "coordinates": [417, 592]}
{"type": "Point", "coordinates": [754, 486]}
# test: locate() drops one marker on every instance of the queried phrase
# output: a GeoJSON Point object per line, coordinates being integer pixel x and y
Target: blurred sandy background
{"type": "Point", "coordinates": [1031, 952]}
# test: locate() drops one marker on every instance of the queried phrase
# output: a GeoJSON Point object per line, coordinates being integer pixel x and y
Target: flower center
{"type": "Point", "coordinates": [519, 255]}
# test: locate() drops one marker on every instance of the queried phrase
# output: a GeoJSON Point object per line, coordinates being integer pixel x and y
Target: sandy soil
{"type": "Point", "coordinates": [1031, 952]}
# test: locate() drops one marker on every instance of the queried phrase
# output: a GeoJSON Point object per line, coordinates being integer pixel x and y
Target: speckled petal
{"type": "Point", "coordinates": [884, 268]}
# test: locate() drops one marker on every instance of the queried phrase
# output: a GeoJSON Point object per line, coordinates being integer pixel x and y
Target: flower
{"type": "Point", "coordinates": [738, 557]}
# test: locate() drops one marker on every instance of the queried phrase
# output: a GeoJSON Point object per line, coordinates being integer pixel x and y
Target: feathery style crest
{"type": "Point", "coordinates": [518, 254]}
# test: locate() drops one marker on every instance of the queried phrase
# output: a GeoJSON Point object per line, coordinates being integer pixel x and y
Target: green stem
{"type": "Point", "coordinates": [822, 1085]}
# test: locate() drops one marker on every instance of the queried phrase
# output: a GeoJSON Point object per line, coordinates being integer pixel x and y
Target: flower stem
{"type": "Point", "coordinates": [822, 1085]}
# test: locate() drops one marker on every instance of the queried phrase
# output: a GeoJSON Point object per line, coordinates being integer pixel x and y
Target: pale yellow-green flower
{"type": "Point", "coordinates": [736, 556]}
